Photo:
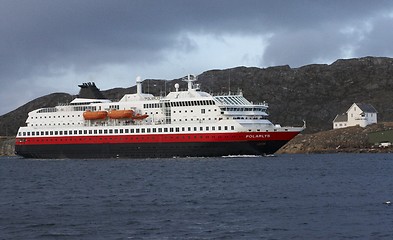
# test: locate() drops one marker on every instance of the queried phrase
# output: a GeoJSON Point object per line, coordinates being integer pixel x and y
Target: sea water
{"type": "Point", "coordinates": [332, 196]}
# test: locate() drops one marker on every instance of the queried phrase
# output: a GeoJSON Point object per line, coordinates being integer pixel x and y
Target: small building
{"type": "Point", "coordinates": [359, 114]}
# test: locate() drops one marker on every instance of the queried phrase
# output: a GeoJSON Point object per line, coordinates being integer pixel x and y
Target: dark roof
{"type": "Point", "coordinates": [343, 117]}
{"type": "Point", "coordinates": [365, 107]}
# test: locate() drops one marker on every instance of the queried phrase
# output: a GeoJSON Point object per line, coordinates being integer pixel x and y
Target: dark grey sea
{"type": "Point", "coordinates": [332, 196]}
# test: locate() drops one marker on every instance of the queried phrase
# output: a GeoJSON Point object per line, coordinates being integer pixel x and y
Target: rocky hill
{"type": "Point", "coordinates": [315, 93]}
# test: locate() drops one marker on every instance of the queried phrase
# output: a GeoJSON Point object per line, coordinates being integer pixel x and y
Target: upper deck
{"type": "Point", "coordinates": [178, 107]}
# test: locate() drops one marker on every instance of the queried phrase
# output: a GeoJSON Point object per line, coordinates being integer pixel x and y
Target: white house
{"type": "Point", "coordinates": [361, 114]}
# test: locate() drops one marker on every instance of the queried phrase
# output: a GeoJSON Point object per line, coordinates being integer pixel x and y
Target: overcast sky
{"type": "Point", "coordinates": [53, 45]}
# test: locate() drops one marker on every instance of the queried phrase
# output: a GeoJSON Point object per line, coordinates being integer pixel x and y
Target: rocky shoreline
{"type": "Point", "coordinates": [7, 146]}
{"type": "Point", "coordinates": [345, 140]}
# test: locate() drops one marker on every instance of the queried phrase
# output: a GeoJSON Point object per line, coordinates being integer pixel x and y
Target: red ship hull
{"type": "Point", "coordinates": [153, 146]}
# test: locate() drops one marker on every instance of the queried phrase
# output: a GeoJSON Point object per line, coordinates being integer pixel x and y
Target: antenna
{"type": "Point", "coordinates": [229, 83]}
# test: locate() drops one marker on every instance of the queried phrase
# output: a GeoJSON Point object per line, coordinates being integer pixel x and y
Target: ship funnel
{"type": "Point", "coordinates": [138, 85]}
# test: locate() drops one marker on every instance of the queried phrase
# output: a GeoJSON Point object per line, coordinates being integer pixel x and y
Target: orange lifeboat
{"type": "Point", "coordinates": [89, 115]}
{"type": "Point", "coordinates": [119, 114]}
{"type": "Point", "coordinates": [140, 117]}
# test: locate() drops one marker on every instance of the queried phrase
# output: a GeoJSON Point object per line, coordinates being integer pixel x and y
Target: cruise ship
{"type": "Point", "coordinates": [184, 123]}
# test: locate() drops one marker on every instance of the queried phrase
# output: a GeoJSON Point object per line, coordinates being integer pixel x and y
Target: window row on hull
{"type": "Point", "coordinates": [123, 131]}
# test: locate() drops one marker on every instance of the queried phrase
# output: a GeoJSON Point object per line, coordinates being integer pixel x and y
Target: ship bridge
{"type": "Point", "coordinates": [237, 106]}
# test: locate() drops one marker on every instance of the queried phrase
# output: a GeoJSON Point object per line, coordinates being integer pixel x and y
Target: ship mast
{"type": "Point", "coordinates": [190, 79]}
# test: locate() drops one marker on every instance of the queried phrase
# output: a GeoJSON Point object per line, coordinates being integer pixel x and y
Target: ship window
{"type": "Point", "coordinates": [95, 131]}
{"type": "Point", "coordinates": [189, 128]}
{"type": "Point", "coordinates": [165, 129]}
{"type": "Point", "coordinates": [226, 128]}
{"type": "Point", "coordinates": [121, 130]}
{"type": "Point", "coordinates": [177, 129]}
{"type": "Point", "coordinates": [171, 129]}
{"type": "Point", "coordinates": [154, 130]}
{"type": "Point", "coordinates": [84, 131]}
{"type": "Point", "coordinates": [126, 130]}
{"type": "Point", "coordinates": [137, 130]}
{"type": "Point", "coordinates": [46, 133]}
{"type": "Point", "coordinates": [90, 131]}
{"type": "Point", "coordinates": [116, 131]}
{"type": "Point", "coordinates": [213, 128]}
{"type": "Point", "coordinates": [207, 128]}
{"type": "Point", "coordinates": [160, 130]}
{"type": "Point", "coordinates": [51, 132]}
{"type": "Point", "coordinates": [61, 133]}
{"type": "Point", "coordinates": [110, 131]}
{"type": "Point", "coordinates": [42, 133]}
{"type": "Point", "coordinates": [219, 127]}
{"type": "Point", "coordinates": [148, 130]}
{"type": "Point", "coordinates": [56, 132]}
{"type": "Point", "coordinates": [232, 128]}
{"type": "Point", "coordinates": [183, 129]}
{"type": "Point", "coordinates": [33, 133]}
{"type": "Point", "coordinates": [105, 131]}
{"type": "Point", "coordinates": [195, 128]}
{"type": "Point", "coordinates": [143, 130]}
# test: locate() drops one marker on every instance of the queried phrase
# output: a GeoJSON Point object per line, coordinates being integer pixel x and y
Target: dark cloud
{"type": "Point", "coordinates": [377, 42]}
{"type": "Point", "coordinates": [304, 47]}
{"type": "Point", "coordinates": [41, 39]}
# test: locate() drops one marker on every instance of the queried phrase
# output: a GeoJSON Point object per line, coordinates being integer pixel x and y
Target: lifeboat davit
{"type": "Point", "coordinates": [119, 114]}
{"type": "Point", "coordinates": [140, 117]}
{"type": "Point", "coordinates": [89, 115]}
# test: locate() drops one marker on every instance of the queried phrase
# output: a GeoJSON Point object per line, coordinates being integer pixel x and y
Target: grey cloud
{"type": "Point", "coordinates": [379, 40]}
{"type": "Point", "coordinates": [304, 47]}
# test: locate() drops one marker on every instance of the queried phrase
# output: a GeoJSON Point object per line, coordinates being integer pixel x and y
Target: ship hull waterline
{"type": "Point", "coordinates": [150, 150]}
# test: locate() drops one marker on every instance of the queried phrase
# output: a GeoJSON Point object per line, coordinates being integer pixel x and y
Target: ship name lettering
{"type": "Point", "coordinates": [258, 136]}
